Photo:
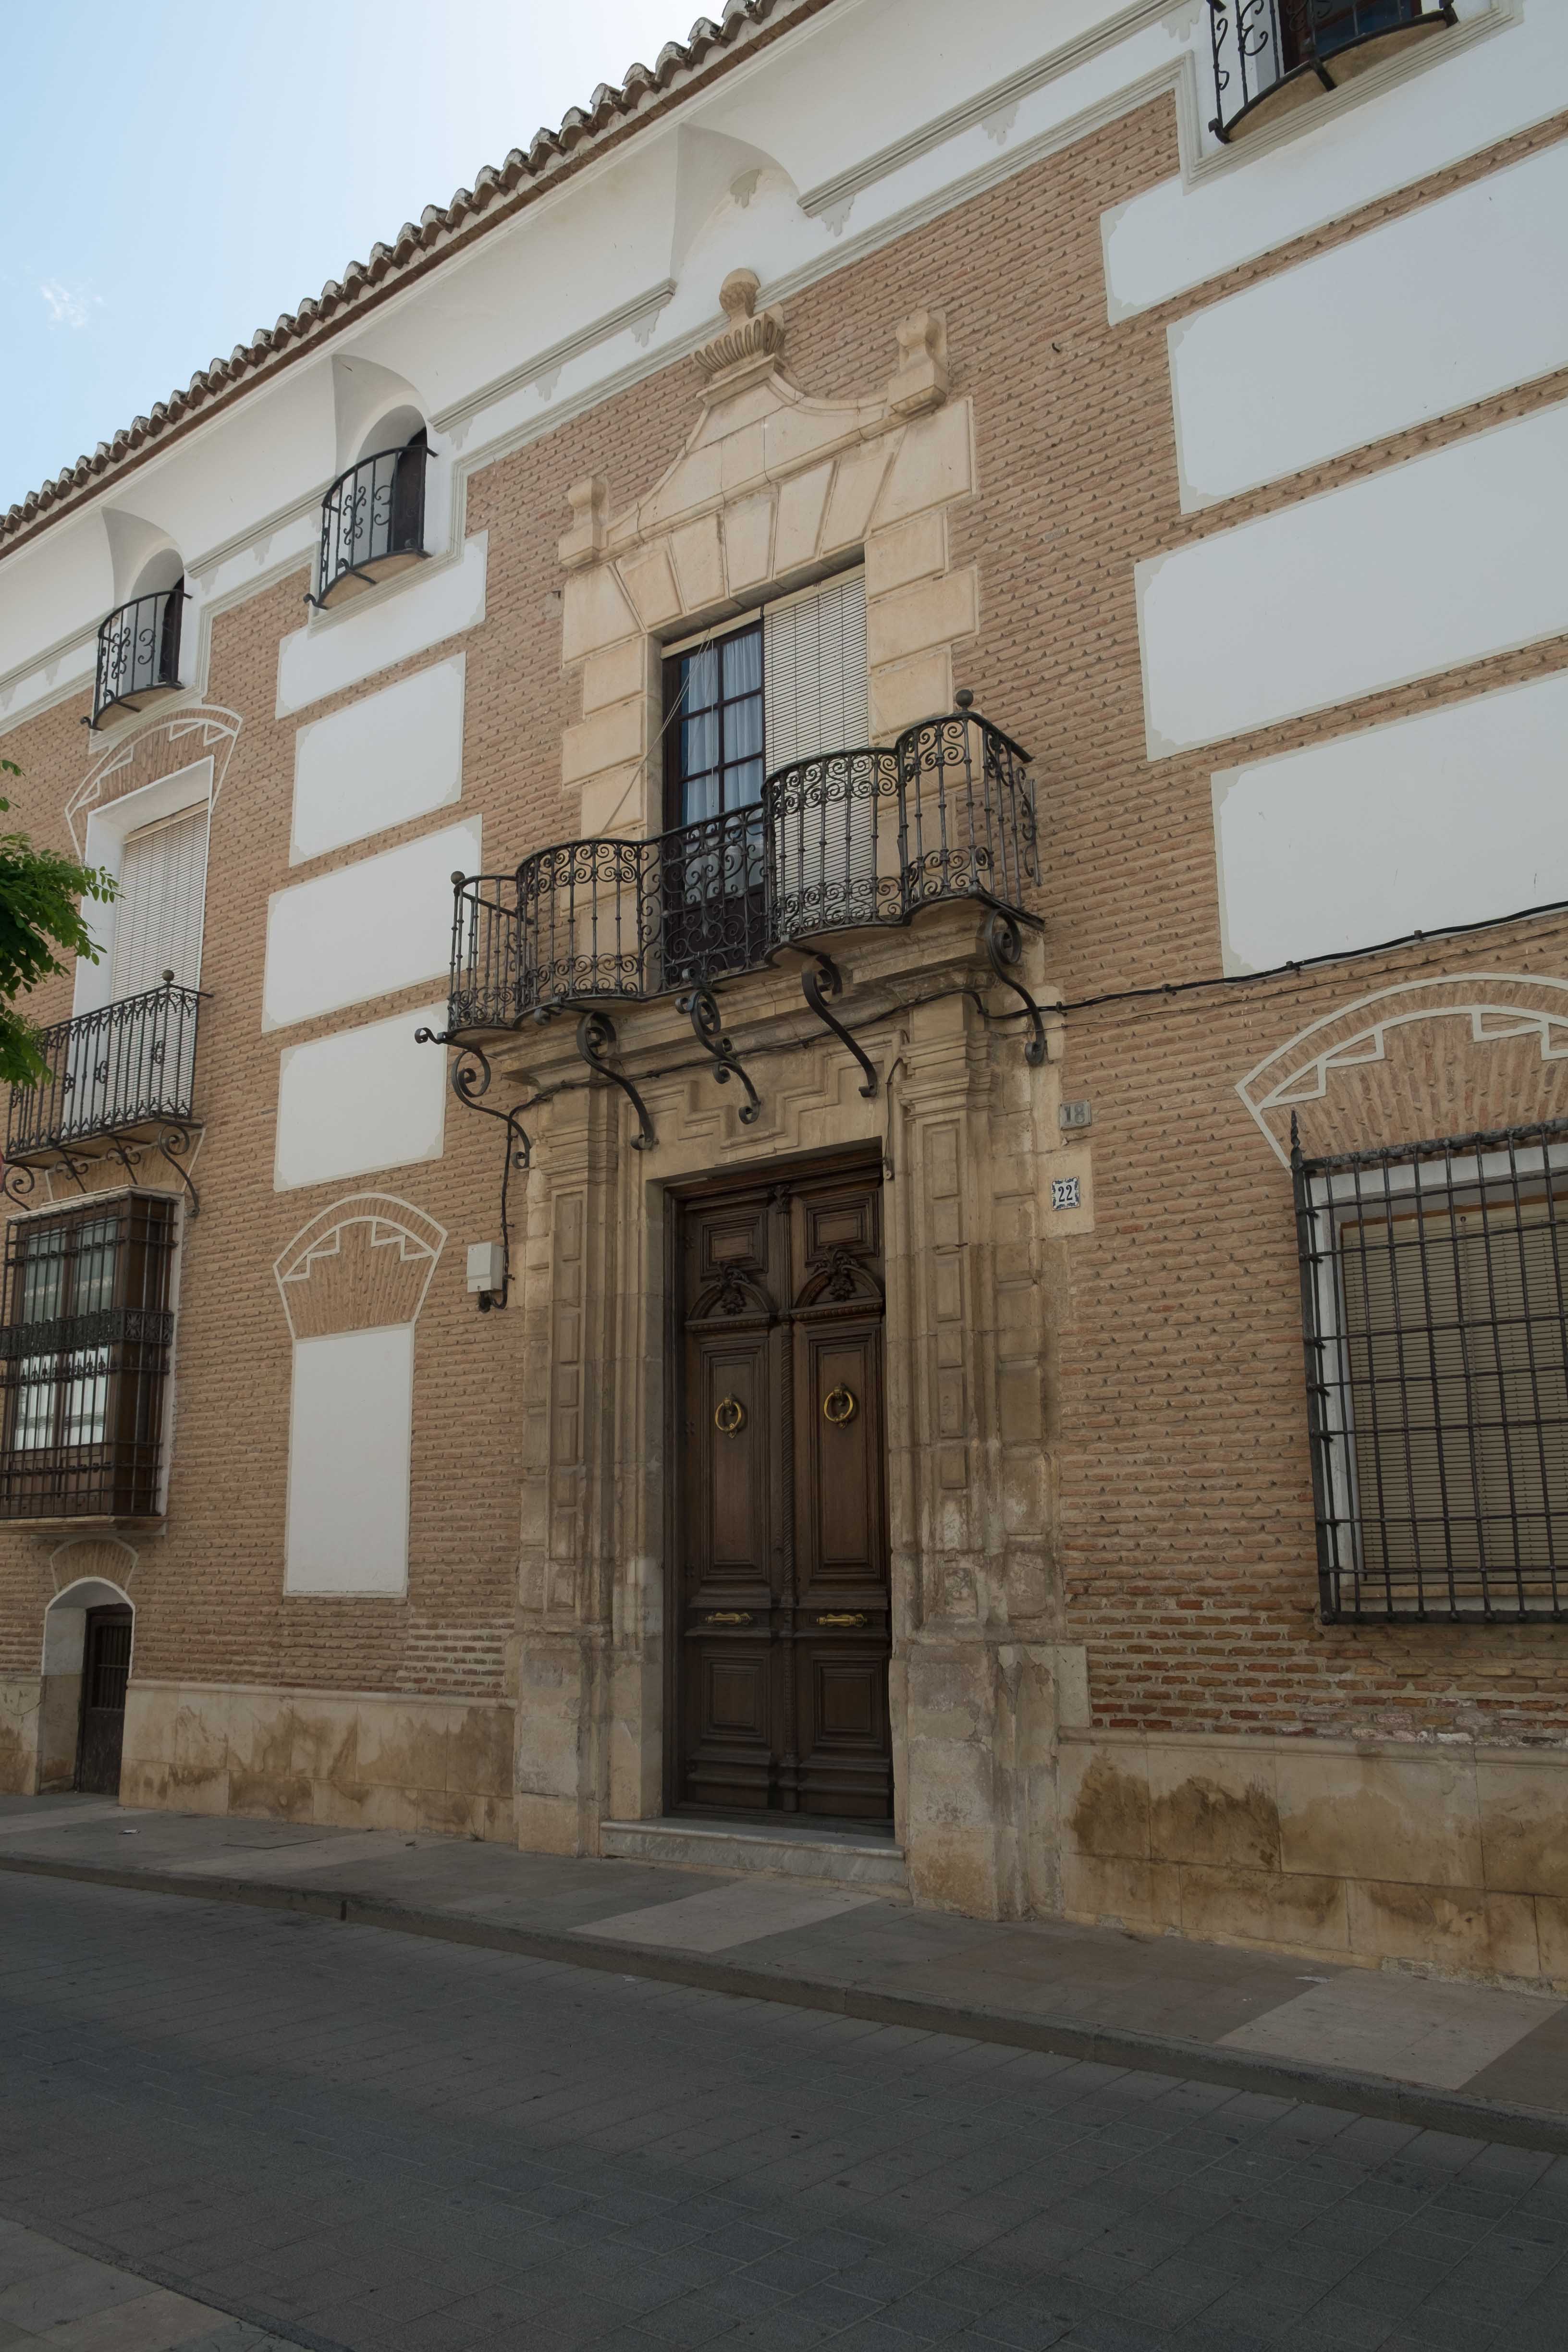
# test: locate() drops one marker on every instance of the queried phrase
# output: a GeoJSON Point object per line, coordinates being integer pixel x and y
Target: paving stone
{"type": "Point", "coordinates": [430, 2147]}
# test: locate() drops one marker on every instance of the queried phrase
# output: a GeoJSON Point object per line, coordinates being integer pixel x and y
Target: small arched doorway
{"type": "Point", "coordinates": [88, 1635]}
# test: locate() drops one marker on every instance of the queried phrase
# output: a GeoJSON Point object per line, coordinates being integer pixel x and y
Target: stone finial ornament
{"type": "Point", "coordinates": [585, 540]}
{"type": "Point", "coordinates": [920, 381]}
{"type": "Point", "coordinates": [750, 342]}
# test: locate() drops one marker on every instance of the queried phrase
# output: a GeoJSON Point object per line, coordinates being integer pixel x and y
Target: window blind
{"type": "Point", "coordinates": [814, 673]}
{"type": "Point", "coordinates": [1458, 1389]}
{"type": "Point", "coordinates": [158, 914]}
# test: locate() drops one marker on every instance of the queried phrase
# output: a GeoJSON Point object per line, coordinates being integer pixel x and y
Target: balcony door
{"type": "Point", "coordinates": [158, 914]}
{"type": "Point", "coordinates": [780, 1554]}
{"type": "Point", "coordinates": [135, 1063]}
{"type": "Point", "coordinates": [789, 685]}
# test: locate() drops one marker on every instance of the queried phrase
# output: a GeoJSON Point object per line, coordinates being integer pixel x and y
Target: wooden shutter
{"type": "Point", "coordinates": [814, 672]}
{"type": "Point", "coordinates": [158, 914]}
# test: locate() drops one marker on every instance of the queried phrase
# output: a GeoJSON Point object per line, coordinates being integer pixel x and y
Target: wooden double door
{"type": "Point", "coordinates": [781, 1591]}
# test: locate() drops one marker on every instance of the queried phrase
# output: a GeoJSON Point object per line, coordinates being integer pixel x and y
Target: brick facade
{"type": "Point", "coordinates": [1180, 1547]}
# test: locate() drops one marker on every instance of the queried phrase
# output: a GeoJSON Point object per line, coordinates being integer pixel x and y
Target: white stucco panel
{"type": "Point", "coordinates": [382, 924]}
{"type": "Point", "coordinates": [393, 756]}
{"type": "Point", "coordinates": [339, 648]}
{"type": "Point", "coordinates": [360, 1100]}
{"type": "Point", "coordinates": [1401, 576]}
{"type": "Point", "coordinates": [1177, 233]}
{"type": "Point", "coordinates": [1450, 817]}
{"type": "Point", "coordinates": [351, 1421]}
{"type": "Point", "coordinates": [1463, 298]}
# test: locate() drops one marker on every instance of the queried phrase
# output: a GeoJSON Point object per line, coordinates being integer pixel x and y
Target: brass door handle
{"type": "Point", "coordinates": [838, 1406]}
{"type": "Point", "coordinates": [845, 1617]}
{"type": "Point", "coordinates": [728, 1617]}
{"type": "Point", "coordinates": [729, 1416]}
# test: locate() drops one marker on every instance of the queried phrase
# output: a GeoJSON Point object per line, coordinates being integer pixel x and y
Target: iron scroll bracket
{"type": "Point", "coordinates": [708, 1026]}
{"type": "Point", "coordinates": [826, 976]}
{"type": "Point", "coordinates": [18, 1183]}
{"type": "Point", "coordinates": [595, 1039]}
{"type": "Point", "coordinates": [172, 1145]}
{"type": "Point", "coordinates": [469, 1078]}
{"type": "Point", "coordinates": [1004, 952]}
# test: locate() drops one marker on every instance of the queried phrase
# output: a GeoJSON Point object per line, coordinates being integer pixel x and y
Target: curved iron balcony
{"type": "Point", "coordinates": [118, 1078]}
{"type": "Point", "coordinates": [846, 841]}
{"type": "Point", "coordinates": [1272, 56]}
{"type": "Point", "coordinates": [138, 651]}
{"type": "Point", "coordinates": [373, 520]}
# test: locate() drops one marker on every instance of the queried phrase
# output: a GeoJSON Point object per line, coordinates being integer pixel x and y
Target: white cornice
{"type": "Point", "coordinates": [829, 194]}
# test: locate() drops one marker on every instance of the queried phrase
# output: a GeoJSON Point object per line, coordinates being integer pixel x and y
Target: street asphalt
{"type": "Point", "coordinates": [309, 2132]}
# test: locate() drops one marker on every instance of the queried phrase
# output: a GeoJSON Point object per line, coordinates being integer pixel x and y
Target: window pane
{"type": "Point", "coordinates": [43, 1275]}
{"type": "Point", "coordinates": [742, 663]}
{"type": "Point", "coordinates": [699, 686]}
{"type": "Point", "coordinates": [34, 1423]}
{"type": "Point", "coordinates": [743, 784]}
{"type": "Point", "coordinates": [700, 744]}
{"type": "Point", "coordinates": [743, 728]}
{"type": "Point", "coordinates": [87, 1397]}
{"type": "Point", "coordinates": [94, 1286]}
{"type": "Point", "coordinates": [700, 797]}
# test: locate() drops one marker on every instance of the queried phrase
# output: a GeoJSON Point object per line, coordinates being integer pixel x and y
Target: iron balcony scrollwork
{"type": "Point", "coordinates": [846, 841]}
{"type": "Point", "coordinates": [138, 651]}
{"type": "Point", "coordinates": [1271, 55]}
{"type": "Point", "coordinates": [372, 512]}
{"type": "Point", "coordinates": [118, 1081]}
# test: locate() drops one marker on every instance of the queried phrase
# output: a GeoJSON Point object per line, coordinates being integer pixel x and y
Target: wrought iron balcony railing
{"type": "Point", "coordinates": [138, 651]}
{"type": "Point", "coordinates": [374, 516]}
{"type": "Point", "coordinates": [1271, 55]}
{"type": "Point", "coordinates": [119, 1079]}
{"type": "Point", "coordinates": [846, 841]}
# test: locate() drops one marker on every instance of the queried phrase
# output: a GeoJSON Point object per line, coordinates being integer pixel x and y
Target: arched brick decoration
{"type": "Point", "coordinates": [107, 1557]}
{"type": "Point", "coordinates": [202, 731]}
{"type": "Point", "coordinates": [1449, 1057]}
{"type": "Point", "coordinates": [359, 1265]}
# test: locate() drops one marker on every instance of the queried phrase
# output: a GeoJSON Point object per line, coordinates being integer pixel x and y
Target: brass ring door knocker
{"type": "Point", "coordinates": [839, 1406]}
{"type": "Point", "coordinates": [729, 1416]}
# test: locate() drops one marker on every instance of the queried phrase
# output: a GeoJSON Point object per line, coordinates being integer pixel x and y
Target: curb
{"type": "Point", "coordinates": [1108, 2045]}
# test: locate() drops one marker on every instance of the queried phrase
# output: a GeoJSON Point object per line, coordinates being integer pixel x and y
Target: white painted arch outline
{"type": "Point", "coordinates": [394, 1225]}
{"type": "Point", "coordinates": [1302, 1075]}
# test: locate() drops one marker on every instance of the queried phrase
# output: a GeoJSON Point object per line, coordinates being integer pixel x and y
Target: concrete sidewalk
{"type": "Point", "coordinates": [1484, 2061]}
{"type": "Point", "coordinates": [54, 2294]}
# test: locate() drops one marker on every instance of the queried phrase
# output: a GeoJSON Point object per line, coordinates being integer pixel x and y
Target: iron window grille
{"type": "Point", "coordinates": [138, 650]}
{"type": "Point", "coordinates": [84, 1357]}
{"type": "Point", "coordinates": [837, 842]}
{"type": "Point", "coordinates": [372, 512]}
{"type": "Point", "coordinates": [1271, 55]}
{"type": "Point", "coordinates": [1434, 1305]}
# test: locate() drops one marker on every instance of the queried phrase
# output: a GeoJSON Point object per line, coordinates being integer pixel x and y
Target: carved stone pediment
{"type": "Point", "coordinates": [773, 491]}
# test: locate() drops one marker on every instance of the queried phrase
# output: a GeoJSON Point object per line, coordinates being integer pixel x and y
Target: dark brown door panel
{"type": "Point", "coordinates": [780, 1583]}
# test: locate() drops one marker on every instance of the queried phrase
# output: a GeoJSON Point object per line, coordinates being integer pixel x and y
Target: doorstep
{"type": "Point", "coordinates": [793, 1849]}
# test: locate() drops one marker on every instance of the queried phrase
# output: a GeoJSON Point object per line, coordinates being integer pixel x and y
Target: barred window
{"type": "Point", "coordinates": [84, 1351]}
{"type": "Point", "coordinates": [1435, 1296]}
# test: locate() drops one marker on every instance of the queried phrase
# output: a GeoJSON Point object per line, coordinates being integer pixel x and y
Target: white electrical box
{"type": "Point", "coordinates": [484, 1266]}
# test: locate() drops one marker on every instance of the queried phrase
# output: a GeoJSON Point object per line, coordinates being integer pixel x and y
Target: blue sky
{"type": "Point", "coordinates": [177, 173]}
